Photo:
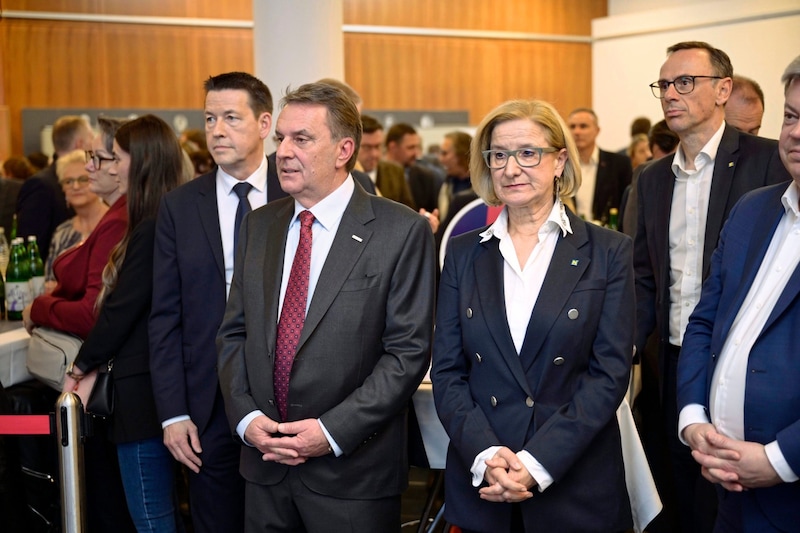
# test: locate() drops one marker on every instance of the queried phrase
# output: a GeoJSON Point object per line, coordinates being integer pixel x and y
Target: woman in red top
{"type": "Point", "coordinates": [71, 305]}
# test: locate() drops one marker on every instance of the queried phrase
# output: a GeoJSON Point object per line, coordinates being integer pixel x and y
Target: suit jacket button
{"type": "Point", "coordinates": [529, 401]}
{"type": "Point", "coordinates": [573, 314]}
{"type": "Point", "coordinates": [478, 357]}
{"type": "Point", "coordinates": [469, 312]}
{"type": "Point", "coordinates": [558, 361]}
{"type": "Point", "coordinates": [493, 401]}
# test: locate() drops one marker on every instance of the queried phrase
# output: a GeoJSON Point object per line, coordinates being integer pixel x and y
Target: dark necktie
{"type": "Point", "coordinates": [293, 313]}
{"type": "Point", "coordinates": [241, 190]}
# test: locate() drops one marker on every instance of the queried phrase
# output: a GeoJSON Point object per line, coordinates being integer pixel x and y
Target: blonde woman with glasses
{"type": "Point", "coordinates": [88, 207]}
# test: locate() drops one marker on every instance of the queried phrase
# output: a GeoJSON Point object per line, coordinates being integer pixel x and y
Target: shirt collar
{"type": "Point", "coordinates": [556, 220]}
{"type": "Point", "coordinates": [707, 153]}
{"type": "Point", "coordinates": [790, 199]}
{"type": "Point", "coordinates": [257, 179]}
{"type": "Point", "coordinates": [331, 208]}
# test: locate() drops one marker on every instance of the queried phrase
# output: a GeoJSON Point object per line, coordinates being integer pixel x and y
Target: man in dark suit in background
{"type": "Point", "coordinates": [41, 204]}
{"type": "Point", "coordinates": [739, 366]}
{"type": "Point", "coordinates": [604, 175]}
{"type": "Point", "coordinates": [193, 266]}
{"type": "Point", "coordinates": [683, 202]}
{"type": "Point", "coordinates": [403, 144]}
{"type": "Point", "coordinates": [326, 334]}
{"type": "Point", "coordinates": [387, 176]}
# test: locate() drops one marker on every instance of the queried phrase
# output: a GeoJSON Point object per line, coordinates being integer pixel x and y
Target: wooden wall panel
{"type": "Point", "coordinates": [392, 72]}
{"type": "Point", "coordinates": [213, 9]}
{"type": "Point", "coordinates": [572, 17]}
{"type": "Point", "coordinates": [79, 64]}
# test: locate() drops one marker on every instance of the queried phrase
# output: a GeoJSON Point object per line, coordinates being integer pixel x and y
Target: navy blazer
{"type": "Point", "coordinates": [743, 163]}
{"type": "Point", "coordinates": [557, 399]}
{"type": "Point", "coordinates": [189, 299]}
{"type": "Point", "coordinates": [772, 393]}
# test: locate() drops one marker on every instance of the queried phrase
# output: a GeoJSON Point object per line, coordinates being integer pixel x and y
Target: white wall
{"type": "Point", "coordinates": [761, 39]}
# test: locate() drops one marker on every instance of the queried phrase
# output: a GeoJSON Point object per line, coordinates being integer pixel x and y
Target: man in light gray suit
{"type": "Point", "coordinates": [357, 274]}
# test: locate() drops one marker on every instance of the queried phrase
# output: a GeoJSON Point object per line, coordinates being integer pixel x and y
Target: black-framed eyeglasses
{"type": "Point", "coordinates": [525, 157]}
{"type": "Point", "coordinates": [683, 85]}
{"type": "Point", "coordinates": [96, 158]}
{"type": "Point", "coordinates": [69, 182]}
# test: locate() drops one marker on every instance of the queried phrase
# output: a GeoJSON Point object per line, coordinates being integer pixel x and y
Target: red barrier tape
{"type": "Point", "coordinates": [25, 425]}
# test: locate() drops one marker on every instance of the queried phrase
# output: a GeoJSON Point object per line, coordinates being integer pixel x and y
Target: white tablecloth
{"type": "Point", "coordinates": [13, 349]}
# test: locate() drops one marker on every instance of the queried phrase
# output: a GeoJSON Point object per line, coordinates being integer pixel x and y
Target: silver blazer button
{"type": "Point", "coordinates": [558, 361]}
{"type": "Point", "coordinates": [469, 312]}
{"type": "Point", "coordinates": [573, 314]}
{"type": "Point", "coordinates": [493, 401]}
{"type": "Point", "coordinates": [529, 401]}
{"type": "Point", "coordinates": [478, 357]}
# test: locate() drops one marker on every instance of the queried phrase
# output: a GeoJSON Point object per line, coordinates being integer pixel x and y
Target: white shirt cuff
{"type": "Point", "coordinates": [337, 451]}
{"type": "Point", "coordinates": [478, 468]}
{"type": "Point", "coordinates": [778, 462]}
{"type": "Point", "coordinates": [536, 470]}
{"type": "Point", "coordinates": [694, 413]}
{"type": "Point", "coordinates": [244, 422]}
{"type": "Point", "coordinates": [170, 421]}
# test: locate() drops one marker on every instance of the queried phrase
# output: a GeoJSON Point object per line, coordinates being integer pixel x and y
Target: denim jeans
{"type": "Point", "coordinates": [147, 470]}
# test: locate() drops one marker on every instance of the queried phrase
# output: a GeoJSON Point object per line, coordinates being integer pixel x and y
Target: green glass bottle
{"type": "Point", "coordinates": [36, 266]}
{"type": "Point", "coordinates": [18, 275]}
{"type": "Point", "coordinates": [613, 218]}
{"type": "Point", "coordinates": [14, 227]}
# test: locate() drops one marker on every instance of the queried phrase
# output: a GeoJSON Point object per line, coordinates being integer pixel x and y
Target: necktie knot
{"type": "Point", "coordinates": [306, 219]}
{"type": "Point", "coordinates": [242, 189]}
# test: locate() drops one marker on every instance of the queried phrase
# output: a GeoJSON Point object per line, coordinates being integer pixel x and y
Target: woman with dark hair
{"type": "Point", "coordinates": [148, 161]}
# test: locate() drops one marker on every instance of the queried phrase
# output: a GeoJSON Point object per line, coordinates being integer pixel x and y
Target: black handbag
{"type": "Point", "coordinates": [101, 400]}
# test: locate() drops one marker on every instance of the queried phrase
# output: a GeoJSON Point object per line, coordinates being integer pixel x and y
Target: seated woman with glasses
{"type": "Point", "coordinates": [533, 342]}
{"type": "Point", "coordinates": [88, 207]}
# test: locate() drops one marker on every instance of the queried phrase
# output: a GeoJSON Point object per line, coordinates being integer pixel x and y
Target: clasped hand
{"type": "Point", "coordinates": [509, 481]}
{"type": "Point", "coordinates": [289, 443]}
{"type": "Point", "coordinates": [734, 464]}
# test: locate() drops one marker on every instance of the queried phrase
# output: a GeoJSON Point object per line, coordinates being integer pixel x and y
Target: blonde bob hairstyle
{"type": "Point", "coordinates": [556, 133]}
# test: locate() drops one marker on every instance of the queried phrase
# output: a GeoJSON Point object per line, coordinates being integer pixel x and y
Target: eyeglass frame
{"type": "Point", "coordinates": [656, 85]}
{"type": "Point", "coordinates": [69, 182]}
{"type": "Point", "coordinates": [513, 153]}
{"type": "Point", "coordinates": [96, 159]}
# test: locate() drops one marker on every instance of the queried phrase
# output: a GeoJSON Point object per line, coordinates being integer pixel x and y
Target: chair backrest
{"type": "Point", "coordinates": [474, 215]}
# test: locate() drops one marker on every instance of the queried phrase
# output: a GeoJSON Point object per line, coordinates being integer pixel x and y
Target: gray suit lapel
{"type": "Point", "coordinates": [274, 250]}
{"type": "Point", "coordinates": [344, 254]}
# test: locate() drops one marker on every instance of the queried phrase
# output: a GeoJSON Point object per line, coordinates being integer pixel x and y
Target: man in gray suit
{"type": "Point", "coordinates": [319, 397]}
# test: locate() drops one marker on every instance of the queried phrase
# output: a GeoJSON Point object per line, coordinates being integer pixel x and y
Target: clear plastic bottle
{"type": "Point", "coordinates": [5, 252]}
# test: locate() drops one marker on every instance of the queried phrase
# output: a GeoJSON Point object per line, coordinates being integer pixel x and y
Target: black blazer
{"type": "Point", "coordinates": [41, 207]}
{"type": "Point", "coordinates": [121, 333]}
{"type": "Point", "coordinates": [613, 175]}
{"type": "Point", "coordinates": [743, 163]}
{"type": "Point", "coordinates": [424, 187]}
{"type": "Point", "coordinates": [189, 289]}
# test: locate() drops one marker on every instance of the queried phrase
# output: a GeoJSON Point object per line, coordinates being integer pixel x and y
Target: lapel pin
{"type": "Point", "coordinates": [357, 238]}
{"type": "Point", "coordinates": [730, 164]}
{"type": "Point", "coordinates": [574, 263]}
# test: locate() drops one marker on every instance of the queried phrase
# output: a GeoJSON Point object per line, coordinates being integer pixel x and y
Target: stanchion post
{"type": "Point", "coordinates": [69, 422]}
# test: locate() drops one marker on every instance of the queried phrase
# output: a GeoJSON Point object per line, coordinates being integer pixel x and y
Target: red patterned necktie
{"type": "Point", "coordinates": [293, 313]}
